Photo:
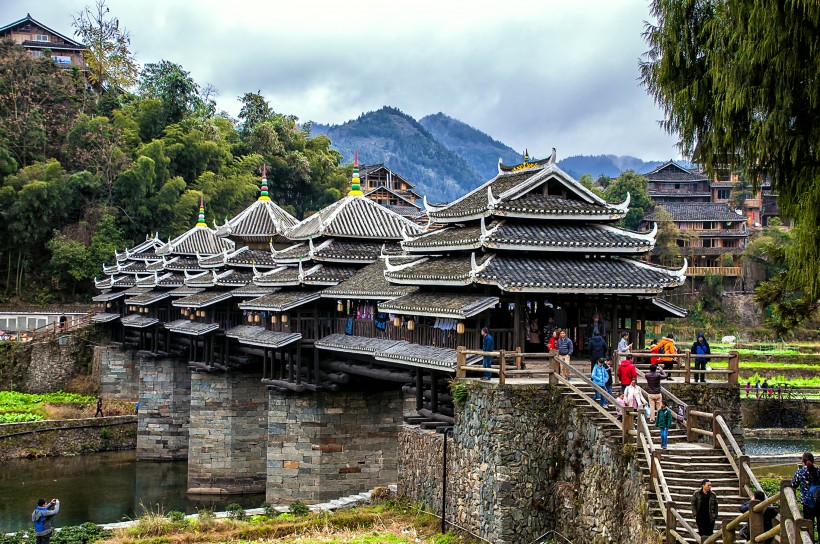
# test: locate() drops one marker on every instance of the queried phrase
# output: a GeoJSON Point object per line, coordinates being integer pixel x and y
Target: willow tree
{"type": "Point", "coordinates": [739, 82]}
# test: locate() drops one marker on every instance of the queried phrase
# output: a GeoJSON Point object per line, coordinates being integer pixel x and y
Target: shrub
{"type": "Point", "coordinates": [460, 392]}
{"type": "Point", "coordinates": [87, 533]}
{"type": "Point", "coordinates": [235, 511]}
{"type": "Point", "coordinates": [298, 508]}
{"type": "Point", "coordinates": [175, 515]}
{"type": "Point", "coordinates": [269, 510]}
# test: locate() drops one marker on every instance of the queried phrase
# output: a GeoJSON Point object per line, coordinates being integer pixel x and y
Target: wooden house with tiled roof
{"type": "Point", "coordinates": [40, 40]}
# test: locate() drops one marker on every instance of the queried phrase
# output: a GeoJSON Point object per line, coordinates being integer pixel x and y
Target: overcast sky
{"type": "Point", "coordinates": [533, 75]}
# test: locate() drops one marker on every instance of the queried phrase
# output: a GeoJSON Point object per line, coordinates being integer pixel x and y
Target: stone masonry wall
{"type": "Point", "coordinates": [328, 445]}
{"type": "Point", "coordinates": [54, 361]}
{"type": "Point", "coordinates": [165, 397]}
{"type": "Point", "coordinates": [524, 461]}
{"type": "Point", "coordinates": [710, 397]}
{"type": "Point", "coordinates": [67, 437]}
{"type": "Point", "coordinates": [117, 372]}
{"type": "Point", "coordinates": [227, 443]}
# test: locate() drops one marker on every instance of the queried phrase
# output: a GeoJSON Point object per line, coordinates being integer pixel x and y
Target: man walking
{"type": "Point", "coordinates": [700, 347]}
{"type": "Point", "coordinates": [664, 420]}
{"type": "Point", "coordinates": [565, 349]}
{"type": "Point", "coordinates": [626, 372]}
{"type": "Point", "coordinates": [42, 519]}
{"type": "Point", "coordinates": [99, 412]}
{"type": "Point", "coordinates": [488, 344]}
{"type": "Point", "coordinates": [653, 390]}
{"type": "Point", "coordinates": [705, 509]}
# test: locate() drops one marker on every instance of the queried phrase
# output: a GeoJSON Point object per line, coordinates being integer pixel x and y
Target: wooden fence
{"type": "Point", "coordinates": [685, 364]}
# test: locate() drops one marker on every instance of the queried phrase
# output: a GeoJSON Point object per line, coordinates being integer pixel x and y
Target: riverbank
{"type": "Point", "coordinates": [67, 437]}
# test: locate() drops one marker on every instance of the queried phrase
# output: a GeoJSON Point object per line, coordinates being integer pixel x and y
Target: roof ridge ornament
{"type": "Point", "coordinates": [355, 183]}
{"type": "Point", "coordinates": [429, 207]}
{"type": "Point", "coordinates": [623, 206]}
{"type": "Point", "coordinates": [201, 217]}
{"type": "Point", "coordinates": [491, 200]}
{"type": "Point", "coordinates": [263, 189]}
{"type": "Point", "coordinates": [475, 268]}
{"type": "Point", "coordinates": [552, 157]}
{"type": "Point", "coordinates": [396, 267]}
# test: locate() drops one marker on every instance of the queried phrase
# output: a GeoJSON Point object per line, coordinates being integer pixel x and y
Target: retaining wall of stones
{"type": "Point", "coordinates": [327, 445]}
{"type": "Point", "coordinates": [710, 397]}
{"type": "Point", "coordinates": [523, 461]}
{"type": "Point", "coordinates": [67, 437]}
{"type": "Point", "coordinates": [227, 444]}
{"type": "Point", "coordinates": [165, 398]}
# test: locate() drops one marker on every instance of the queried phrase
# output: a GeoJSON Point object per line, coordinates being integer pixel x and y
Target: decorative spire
{"type": "Point", "coordinates": [201, 220]}
{"type": "Point", "coordinates": [263, 193]}
{"type": "Point", "coordinates": [526, 156]}
{"type": "Point", "coordinates": [355, 187]}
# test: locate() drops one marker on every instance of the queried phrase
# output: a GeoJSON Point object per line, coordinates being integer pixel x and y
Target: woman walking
{"type": "Point", "coordinates": [806, 478]}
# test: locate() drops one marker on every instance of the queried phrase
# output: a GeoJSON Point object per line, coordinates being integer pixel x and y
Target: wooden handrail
{"type": "Point", "coordinates": [594, 403]}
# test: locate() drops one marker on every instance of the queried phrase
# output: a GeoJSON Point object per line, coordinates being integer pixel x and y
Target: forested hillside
{"type": "Point", "coordinates": [87, 169]}
{"type": "Point", "coordinates": [404, 145]}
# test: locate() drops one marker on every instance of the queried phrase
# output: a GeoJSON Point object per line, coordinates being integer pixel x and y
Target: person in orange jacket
{"type": "Point", "coordinates": [666, 346]}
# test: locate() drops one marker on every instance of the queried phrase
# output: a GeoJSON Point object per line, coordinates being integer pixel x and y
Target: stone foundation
{"type": "Point", "coordinates": [523, 461]}
{"type": "Point", "coordinates": [227, 434]}
{"type": "Point", "coordinates": [709, 397]}
{"type": "Point", "coordinates": [67, 437]}
{"type": "Point", "coordinates": [117, 372]}
{"type": "Point", "coordinates": [327, 445]}
{"type": "Point", "coordinates": [54, 361]}
{"type": "Point", "coordinates": [165, 397]}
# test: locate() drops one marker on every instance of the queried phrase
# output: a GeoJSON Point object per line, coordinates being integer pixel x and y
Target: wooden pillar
{"type": "Point", "coordinates": [419, 389]}
{"type": "Point", "coordinates": [315, 365]}
{"type": "Point", "coordinates": [615, 324]}
{"type": "Point", "coordinates": [633, 321]}
{"type": "Point", "coordinates": [265, 363]}
{"type": "Point", "coordinates": [289, 354]}
{"type": "Point", "coordinates": [433, 391]}
{"type": "Point", "coordinates": [518, 329]}
{"type": "Point", "coordinates": [298, 363]}
{"type": "Point", "coordinates": [192, 348]}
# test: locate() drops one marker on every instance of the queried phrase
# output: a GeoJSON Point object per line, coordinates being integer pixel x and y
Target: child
{"type": "Point", "coordinates": [620, 403]}
{"type": "Point", "coordinates": [748, 389]}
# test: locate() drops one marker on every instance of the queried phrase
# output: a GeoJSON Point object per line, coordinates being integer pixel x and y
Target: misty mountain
{"type": "Point", "coordinates": [607, 165]}
{"type": "Point", "coordinates": [480, 150]}
{"type": "Point", "coordinates": [406, 147]}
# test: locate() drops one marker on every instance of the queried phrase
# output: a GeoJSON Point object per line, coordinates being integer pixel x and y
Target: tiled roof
{"type": "Point", "coordinates": [417, 355]}
{"type": "Point", "coordinates": [201, 300]}
{"type": "Point", "coordinates": [678, 194]}
{"type": "Point", "coordinates": [260, 221]}
{"type": "Point", "coordinates": [213, 261]}
{"type": "Point", "coordinates": [258, 336]}
{"type": "Point", "coordinates": [281, 301]}
{"type": "Point", "coordinates": [669, 309]}
{"type": "Point", "coordinates": [450, 305]}
{"type": "Point", "coordinates": [141, 250]}
{"type": "Point", "coordinates": [356, 344]}
{"type": "Point", "coordinates": [519, 193]}
{"type": "Point", "coordinates": [345, 250]}
{"type": "Point", "coordinates": [198, 240]}
{"type": "Point", "coordinates": [410, 212]}
{"type": "Point", "coordinates": [133, 291]}
{"type": "Point", "coordinates": [292, 254]}
{"type": "Point", "coordinates": [108, 295]}
{"type": "Point", "coordinates": [193, 328]}
{"type": "Point", "coordinates": [206, 279]}
{"type": "Point", "coordinates": [147, 299]}
{"type": "Point", "coordinates": [135, 321]}
{"type": "Point", "coordinates": [132, 267]}
{"type": "Point", "coordinates": [234, 278]}
{"type": "Point", "coordinates": [278, 277]}
{"type": "Point", "coordinates": [171, 280]}
{"type": "Point", "coordinates": [328, 274]}
{"type": "Point", "coordinates": [104, 318]}
{"type": "Point", "coordinates": [577, 275]}
{"type": "Point", "coordinates": [250, 257]}
{"type": "Point", "coordinates": [542, 274]}
{"type": "Point", "coordinates": [182, 263]}
{"type": "Point", "coordinates": [369, 283]}
{"type": "Point", "coordinates": [532, 237]}
{"type": "Point", "coordinates": [252, 290]}
{"type": "Point", "coordinates": [698, 211]}
{"type": "Point", "coordinates": [673, 172]}
{"type": "Point", "coordinates": [354, 217]}
{"type": "Point", "coordinates": [185, 291]}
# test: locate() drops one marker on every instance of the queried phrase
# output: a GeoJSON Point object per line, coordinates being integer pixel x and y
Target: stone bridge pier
{"type": "Point", "coordinates": [165, 397]}
{"type": "Point", "coordinates": [227, 437]}
{"type": "Point", "coordinates": [326, 445]}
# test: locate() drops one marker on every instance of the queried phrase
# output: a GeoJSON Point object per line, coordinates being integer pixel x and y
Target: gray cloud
{"type": "Point", "coordinates": [531, 74]}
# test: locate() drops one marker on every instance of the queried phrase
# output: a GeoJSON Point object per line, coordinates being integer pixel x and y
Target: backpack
{"type": "Point", "coordinates": [814, 495]}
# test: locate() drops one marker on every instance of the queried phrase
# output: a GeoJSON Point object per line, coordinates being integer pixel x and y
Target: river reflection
{"type": "Point", "coordinates": [101, 488]}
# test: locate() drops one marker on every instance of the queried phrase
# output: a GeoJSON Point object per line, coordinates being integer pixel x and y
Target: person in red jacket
{"type": "Point", "coordinates": [627, 372]}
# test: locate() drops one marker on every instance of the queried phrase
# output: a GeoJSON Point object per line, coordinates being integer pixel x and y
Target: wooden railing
{"type": "Point", "coordinates": [51, 329]}
{"type": "Point", "coordinates": [714, 271]}
{"type": "Point", "coordinates": [685, 364]}
{"type": "Point", "coordinates": [507, 362]}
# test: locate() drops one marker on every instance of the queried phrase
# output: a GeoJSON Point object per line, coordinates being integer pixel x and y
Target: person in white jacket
{"type": "Point", "coordinates": [634, 396]}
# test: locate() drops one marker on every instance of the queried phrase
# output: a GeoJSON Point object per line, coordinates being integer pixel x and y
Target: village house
{"type": "Point", "coordinates": [40, 40]}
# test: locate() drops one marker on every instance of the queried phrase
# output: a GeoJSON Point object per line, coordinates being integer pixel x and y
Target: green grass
{"type": "Point", "coordinates": [767, 365]}
{"type": "Point", "coordinates": [15, 404]}
{"type": "Point", "coordinates": [793, 382]}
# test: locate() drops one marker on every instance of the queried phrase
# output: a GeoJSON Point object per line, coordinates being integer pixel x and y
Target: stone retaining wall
{"type": "Point", "coordinates": [165, 399]}
{"type": "Point", "coordinates": [117, 372]}
{"type": "Point", "coordinates": [524, 461]}
{"type": "Point", "coordinates": [67, 437]}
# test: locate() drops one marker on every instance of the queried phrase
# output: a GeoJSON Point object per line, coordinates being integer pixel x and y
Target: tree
{"type": "Point", "coordinates": [666, 240]}
{"type": "Point", "coordinates": [638, 189]}
{"type": "Point", "coordinates": [173, 86]}
{"type": "Point", "coordinates": [738, 83]}
{"type": "Point", "coordinates": [93, 144]}
{"type": "Point", "coordinates": [255, 110]}
{"type": "Point", "coordinates": [111, 64]}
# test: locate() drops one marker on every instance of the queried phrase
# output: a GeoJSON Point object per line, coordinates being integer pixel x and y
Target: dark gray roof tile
{"type": "Point", "coordinates": [258, 336]}
{"type": "Point", "coordinates": [699, 211]}
{"type": "Point", "coordinates": [369, 283]}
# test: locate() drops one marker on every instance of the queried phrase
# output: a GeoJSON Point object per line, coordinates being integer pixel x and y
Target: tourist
{"type": "Point", "coordinates": [550, 328]}
{"type": "Point", "coordinates": [700, 347]}
{"type": "Point", "coordinates": [597, 326]}
{"type": "Point", "coordinates": [565, 348]}
{"type": "Point", "coordinates": [633, 396]}
{"type": "Point", "coordinates": [487, 345]}
{"type": "Point", "coordinates": [624, 346]}
{"type": "Point", "coordinates": [136, 408]}
{"type": "Point", "coordinates": [534, 343]}
{"type": "Point", "coordinates": [608, 384]}
{"type": "Point", "coordinates": [653, 390]}
{"type": "Point", "coordinates": [626, 372]}
{"type": "Point", "coordinates": [42, 519]}
{"type": "Point", "coordinates": [665, 346]}
{"type": "Point", "coordinates": [654, 360]}
{"type": "Point", "coordinates": [597, 348]}
{"type": "Point", "coordinates": [664, 421]}
{"type": "Point", "coordinates": [757, 389]}
{"type": "Point", "coordinates": [748, 388]}
{"type": "Point", "coordinates": [769, 515]}
{"type": "Point", "coordinates": [553, 340]}
{"type": "Point", "coordinates": [99, 412]}
{"type": "Point", "coordinates": [804, 479]}
{"type": "Point", "coordinates": [63, 319]}
{"type": "Point", "coordinates": [705, 509]}
{"type": "Point", "coordinates": [599, 376]}
{"type": "Point", "coordinates": [764, 387]}
{"type": "Point", "coordinates": [619, 404]}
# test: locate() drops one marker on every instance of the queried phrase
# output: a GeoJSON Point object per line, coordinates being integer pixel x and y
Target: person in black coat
{"type": "Point", "coordinates": [597, 348]}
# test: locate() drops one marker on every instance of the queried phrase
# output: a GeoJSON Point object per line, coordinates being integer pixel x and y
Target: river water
{"type": "Point", "coordinates": [101, 488]}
